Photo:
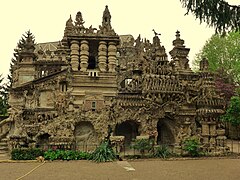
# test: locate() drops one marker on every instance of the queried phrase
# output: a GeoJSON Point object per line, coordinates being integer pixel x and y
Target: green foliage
{"type": "Point", "coordinates": [103, 153]}
{"type": "Point", "coordinates": [66, 155]}
{"type": "Point", "coordinates": [162, 152]}
{"type": "Point", "coordinates": [26, 153]}
{"type": "Point", "coordinates": [216, 13]}
{"type": "Point", "coordinates": [3, 98]}
{"type": "Point", "coordinates": [222, 53]}
{"type": "Point", "coordinates": [142, 145]}
{"type": "Point", "coordinates": [192, 146]}
{"type": "Point", "coordinates": [233, 112]}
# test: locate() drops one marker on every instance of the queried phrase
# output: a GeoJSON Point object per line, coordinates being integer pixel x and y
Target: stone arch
{"type": "Point", "coordinates": [165, 131]}
{"type": "Point", "coordinates": [43, 140]}
{"type": "Point", "coordinates": [129, 129]}
{"type": "Point", "coordinates": [84, 133]}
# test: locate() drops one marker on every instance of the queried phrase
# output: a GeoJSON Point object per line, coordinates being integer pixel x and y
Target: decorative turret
{"type": "Point", "coordinates": [26, 57]}
{"type": "Point", "coordinates": [106, 27]}
{"type": "Point", "coordinates": [210, 106]}
{"type": "Point", "coordinates": [106, 19]}
{"type": "Point", "coordinates": [79, 23]}
{"type": "Point", "coordinates": [69, 26]}
{"type": "Point", "coordinates": [180, 52]}
{"type": "Point", "coordinates": [156, 40]}
{"type": "Point", "coordinates": [204, 64]}
{"type": "Point", "coordinates": [159, 53]}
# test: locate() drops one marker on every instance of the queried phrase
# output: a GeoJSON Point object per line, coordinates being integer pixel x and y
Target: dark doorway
{"type": "Point", "coordinates": [165, 135]}
{"type": "Point", "coordinates": [92, 62]}
{"type": "Point", "coordinates": [129, 129]}
{"type": "Point", "coordinates": [43, 140]}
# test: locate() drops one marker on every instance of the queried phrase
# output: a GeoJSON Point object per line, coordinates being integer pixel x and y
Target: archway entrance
{"type": "Point", "coordinates": [165, 135]}
{"type": "Point", "coordinates": [129, 129]}
{"type": "Point", "coordinates": [84, 135]}
{"type": "Point", "coordinates": [43, 140]}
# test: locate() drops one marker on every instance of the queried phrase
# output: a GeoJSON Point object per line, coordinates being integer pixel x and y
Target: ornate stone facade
{"type": "Point", "coordinates": [70, 92]}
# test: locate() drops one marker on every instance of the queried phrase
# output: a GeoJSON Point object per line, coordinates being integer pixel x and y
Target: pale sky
{"type": "Point", "coordinates": [46, 20]}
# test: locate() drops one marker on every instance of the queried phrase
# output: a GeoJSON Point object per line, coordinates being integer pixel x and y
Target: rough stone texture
{"type": "Point", "coordinates": [94, 79]}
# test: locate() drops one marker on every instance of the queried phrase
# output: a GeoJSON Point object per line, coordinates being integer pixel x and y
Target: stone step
{"type": "Point", "coordinates": [4, 140]}
{"type": "Point", "coordinates": [3, 153]}
{"type": "Point", "coordinates": [3, 143]}
{"type": "Point", "coordinates": [4, 148]}
{"type": "Point", "coordinates": [4, 157]}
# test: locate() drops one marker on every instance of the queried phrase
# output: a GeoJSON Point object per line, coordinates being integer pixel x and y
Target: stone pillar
{"type": "Point", "coordinates": [112, 53]}
{"type": "Point", "coordinates": [212, 129]}
{"type": "Point", "coordinates": [102, 56]}
{"type": "Point", "coordinates": [75, 55]}
{"type": "Point", "coordinates": [205, 132]}
{"type": "Point", "coordinates": [84, 53]}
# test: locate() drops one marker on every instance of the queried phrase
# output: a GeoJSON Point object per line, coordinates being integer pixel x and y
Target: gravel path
{"type": "Point", "coordinates": [210, 169]}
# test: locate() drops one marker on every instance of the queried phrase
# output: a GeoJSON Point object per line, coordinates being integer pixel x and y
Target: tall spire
{"type": "Point", "coordinates": [69, 22]}
{"type": "Point", "coordinates": [79, 20]}
{"type": "Point", "coordinates": [106, 19]}
{"type": "Point", "coordinates": [204, 64]}
{"type": "Point", "coordinates": [180, 52]}
{"type": "Point", "coordinates": [178, 42]}
{"type": "Point", "coordinates": [106, 27]}
{"type": "Point", "coordinates": [69, 26]}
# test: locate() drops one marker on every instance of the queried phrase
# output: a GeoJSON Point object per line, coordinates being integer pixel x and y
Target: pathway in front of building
{"type": "Point", "coordinates": [211, 169]}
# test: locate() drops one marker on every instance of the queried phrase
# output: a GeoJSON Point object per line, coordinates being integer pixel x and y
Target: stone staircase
{"type": "Point", "coordinates": [4, 153]}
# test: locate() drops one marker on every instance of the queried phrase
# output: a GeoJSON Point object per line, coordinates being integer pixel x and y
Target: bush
{"type": "Point", "coordinates": [103, 153]}
{"type": "Point", "coordinates": [26, 153]}
{"type": "Point", "coordinates": [192, 146]}
{"type": "Point", "coordinates": [66, 155]}
{"type": "Point", "coordinates": [162, 152]}
{"type": "Point", "coordinates": [142, 145]}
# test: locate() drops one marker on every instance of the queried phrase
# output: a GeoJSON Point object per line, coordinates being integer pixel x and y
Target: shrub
{"type": "Point", "coordinates": [65, 155]}
{"type": "Point", "coordinates": [192, 146]}
{"type": "Point", "coordinates": [103, 153]}
{"type": "Point", "coordinates": [142, 145]}
{"type": "Point", "coordinates": [26, 153]}
{"type": "Point", "coordinates": [162, 152]}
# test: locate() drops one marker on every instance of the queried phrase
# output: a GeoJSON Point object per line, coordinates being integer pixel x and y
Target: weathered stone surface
{"type": "Point", "coordinates": [74, 91]}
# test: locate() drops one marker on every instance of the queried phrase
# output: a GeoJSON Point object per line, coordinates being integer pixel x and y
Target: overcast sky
{"type": "Point", "coordinates": [46, 20]}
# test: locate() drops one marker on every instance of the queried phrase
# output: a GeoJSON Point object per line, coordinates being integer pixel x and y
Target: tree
{"type": "Point", "coordinates": [3, 98]}
{"type": "Point", "coordinates": [222, 53]}
{"type": "Point", "coordinates": [216, 13]}
{"type": "Point", "coordinates": [233, 112]}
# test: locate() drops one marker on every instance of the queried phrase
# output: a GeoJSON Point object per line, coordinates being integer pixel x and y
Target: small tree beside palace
{"type": "Point", "coordinates": [3, 97]}
{"type": "Point", "coordinates": [233, 113]}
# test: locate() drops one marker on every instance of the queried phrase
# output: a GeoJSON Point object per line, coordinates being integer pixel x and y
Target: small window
{"type": "Point", "coordinates": [42, 73]}
{"type": "Point", "coordinates": [93, 74]}
{"type": "Point", "coordinates": [93, 105]}
{"type": "Point", "coordinates": [92, 62]}
{"type": "Point", "coordinates": [63, 87]}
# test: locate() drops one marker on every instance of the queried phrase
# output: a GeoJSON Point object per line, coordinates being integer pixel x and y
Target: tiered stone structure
{"type": "Point", "coordinates": [69, 93]}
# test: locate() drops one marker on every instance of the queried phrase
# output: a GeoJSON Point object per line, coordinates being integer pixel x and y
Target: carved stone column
{"type": "Point", "coordinates": [84, 53]}
{"type": "Point", "coordinates": [102, 56]}
{"type": "Point", "coordinates": [112, 52]}
{"type": "Point", "coordinates": [205, 132]}
{"type": "Point", "coordinates": [75, 55]}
